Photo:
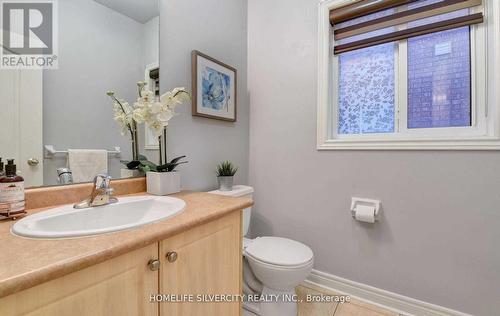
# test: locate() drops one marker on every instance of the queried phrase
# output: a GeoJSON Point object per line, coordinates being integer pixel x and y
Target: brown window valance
{"type": "Point", "coordinates": [401, 15]}
{"type": "Point", "coordinates": [363, 7]}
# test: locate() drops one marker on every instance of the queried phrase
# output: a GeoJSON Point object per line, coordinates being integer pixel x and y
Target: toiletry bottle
{"type": "Point", "coordinates": [12, 191]}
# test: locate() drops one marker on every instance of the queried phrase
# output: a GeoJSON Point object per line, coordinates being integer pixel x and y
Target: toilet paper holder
{"type": "Point", "coordinates": [366, 202]}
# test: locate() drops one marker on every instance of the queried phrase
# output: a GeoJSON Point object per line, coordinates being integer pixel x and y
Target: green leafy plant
{"type": "Point", "coordinates": [134, 164]}
{"type": "Point", "coordinates": [145, 165]}
{"type": "Point", "coordinates": [226, 169]}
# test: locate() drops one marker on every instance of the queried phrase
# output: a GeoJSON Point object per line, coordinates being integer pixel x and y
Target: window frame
{"type": "Point", "coordinates": [483, 134]}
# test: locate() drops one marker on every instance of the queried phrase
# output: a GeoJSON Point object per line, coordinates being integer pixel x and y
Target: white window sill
{"type": "Point", "coordinates": [484, 143]}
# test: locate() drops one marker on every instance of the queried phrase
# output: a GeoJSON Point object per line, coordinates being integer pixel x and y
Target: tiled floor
{"type": "Point", "coordinates": [352, 308]}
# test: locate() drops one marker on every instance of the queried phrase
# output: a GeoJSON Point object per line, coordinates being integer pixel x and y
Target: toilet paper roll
{"type": "Point", "coordinates": [365, 213]}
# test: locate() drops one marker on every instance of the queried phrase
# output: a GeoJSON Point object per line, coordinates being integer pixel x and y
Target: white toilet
{"type": "Point", "coordinates": [273, 267]}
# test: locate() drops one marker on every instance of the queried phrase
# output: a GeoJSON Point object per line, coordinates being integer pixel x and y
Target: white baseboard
{"type": "Point", "coordinates": [399, 303]}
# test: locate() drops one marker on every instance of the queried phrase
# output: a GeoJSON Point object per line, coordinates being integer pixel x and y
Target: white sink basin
{"type": "Point", "coordinates": [129, 212]}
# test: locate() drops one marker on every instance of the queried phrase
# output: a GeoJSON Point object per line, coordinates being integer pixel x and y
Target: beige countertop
{"type": "Point", "coordinates": [25, 262]}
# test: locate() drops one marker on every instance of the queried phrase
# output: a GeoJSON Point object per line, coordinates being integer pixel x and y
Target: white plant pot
{"type": "Point", "coordinates": [163, 183]}
{"type": "Point", "coordinates": [127, 173]}
{"type": "Point", "coordinates": [225, 183]}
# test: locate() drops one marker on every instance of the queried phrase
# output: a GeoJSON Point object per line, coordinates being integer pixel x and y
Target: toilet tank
{"type": "Point", "coordinates": [240, 191]}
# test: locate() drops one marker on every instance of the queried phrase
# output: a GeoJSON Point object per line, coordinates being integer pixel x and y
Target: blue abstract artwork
{"type": "Point", "coordinates": [216, 90]}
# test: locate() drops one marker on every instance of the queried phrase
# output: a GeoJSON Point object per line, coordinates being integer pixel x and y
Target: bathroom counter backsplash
{"type": "Point", "coordinates": [60, 195]}
{"type": "Point", "coordinates": [29, 262]}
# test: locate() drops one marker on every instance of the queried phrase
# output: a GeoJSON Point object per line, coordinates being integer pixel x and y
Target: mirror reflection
{"type": "Point", "coordinates": [59, 125]}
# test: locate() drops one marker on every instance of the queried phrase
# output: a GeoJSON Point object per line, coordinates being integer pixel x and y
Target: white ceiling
{"type": "Point", "coordinates": [139, 10]}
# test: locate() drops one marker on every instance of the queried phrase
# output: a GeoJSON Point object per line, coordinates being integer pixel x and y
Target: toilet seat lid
{"type": "Point", "coordinates": [279, 251]}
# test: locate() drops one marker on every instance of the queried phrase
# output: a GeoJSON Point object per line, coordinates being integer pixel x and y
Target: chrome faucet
{"type": "Point", "coordinates": [102, 193]}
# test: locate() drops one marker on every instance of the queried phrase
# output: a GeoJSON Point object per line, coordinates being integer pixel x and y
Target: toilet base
{"type": "Point", "coordinates": [277, 303]}
{"type": "Point", "coordinates": [251, 307]}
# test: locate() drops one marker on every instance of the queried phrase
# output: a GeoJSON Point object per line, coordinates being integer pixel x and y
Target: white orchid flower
{"type": "Point", "coordinates": [175, 97]}
{"type": "Point", "coordinates": [180, 95]}
{"type": "Point", "coordinates": [166, 98]}
{"type": "Point", "coordinates": [155, 114]}
{"type": "Point", "coordinates": [122, 120]}
{"type": "Point", "coordinates": [147, 96]}
{"type": "Point", "coordinates": [165, 116]}
{"type": "Point", "coordinates": [157, 128]}
{"type": "Point", "coordinates": [138, 115]}
{"type": "Point", "coordinates": [156, 107]}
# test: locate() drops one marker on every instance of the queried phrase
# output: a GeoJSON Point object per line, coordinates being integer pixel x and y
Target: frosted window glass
{"type": "Point", "coordinates": [366, 90]}
{"type": "Point", "coordinates": [439, 79]}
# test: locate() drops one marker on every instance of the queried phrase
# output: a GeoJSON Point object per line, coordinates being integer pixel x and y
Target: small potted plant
{"type": "Point", "coordinates": [225, 175]}
{"type": "Point", "coordinates": [162, 180]}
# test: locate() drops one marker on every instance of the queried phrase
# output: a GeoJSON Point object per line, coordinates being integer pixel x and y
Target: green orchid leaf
{"type": "Point", "coordinates": [169, 167]}
{"type": "Point", "coordinates": [132, 165]}
{"type": "Point", "coordinates": [149, 164]}
{"type": "Point", "coordinates": [175, 160]}
{"type": "Point", "coordinates": [144, 168]}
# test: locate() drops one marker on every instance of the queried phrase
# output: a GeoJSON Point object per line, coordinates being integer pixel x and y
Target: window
{"type": "Point", "coordinates": [411, 76]}
{"type": "Point", "coordinates": [366, 90]}
{"type": "Point", "coordinates": [439, 80]}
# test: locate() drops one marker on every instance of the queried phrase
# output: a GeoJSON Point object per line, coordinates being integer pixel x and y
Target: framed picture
{"type": "Point", "coordinates": [214, 88]}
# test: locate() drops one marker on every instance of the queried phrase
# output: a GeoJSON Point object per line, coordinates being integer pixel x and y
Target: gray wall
{"type": "Point", "coordinates": [439, 235]}
{"type": "Point", "coordinates": [217, 28]}
{"type": "Point", "coordinates": [99, 50]}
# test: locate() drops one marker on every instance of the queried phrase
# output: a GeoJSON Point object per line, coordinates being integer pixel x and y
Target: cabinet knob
{"type": "Point", "coordinates": [154, 265]}
{"type": "Point", "coordinates": [171, 256]}
{"type": "Point", "coordinates": [33, 162]}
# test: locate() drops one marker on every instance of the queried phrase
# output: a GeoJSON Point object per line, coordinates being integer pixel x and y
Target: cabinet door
{"type": "Point", "coordinates": [117, 287]}
{"type": "Point", "coordinates": [208, 261]}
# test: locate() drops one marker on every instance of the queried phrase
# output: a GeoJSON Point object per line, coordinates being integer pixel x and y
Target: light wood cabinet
{"type": "Point", "coordinates": [119, 286]}
{"type": "Point", "coordinates": [208, 262]}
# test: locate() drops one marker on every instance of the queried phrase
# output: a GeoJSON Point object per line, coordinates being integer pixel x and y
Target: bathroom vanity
{"type": "Point", "coordinates": [197, 252]}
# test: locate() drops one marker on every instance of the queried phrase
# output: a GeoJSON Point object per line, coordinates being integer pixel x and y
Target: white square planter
{"type": "Point", "coordinates": [163, 183]}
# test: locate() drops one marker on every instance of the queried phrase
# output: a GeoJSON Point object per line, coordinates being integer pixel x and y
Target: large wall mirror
{"type": "Point", "coordinates": [62, 120]}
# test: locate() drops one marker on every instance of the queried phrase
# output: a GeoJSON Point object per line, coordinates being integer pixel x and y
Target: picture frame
{"type": "Point", "coordinates": [214, 86]}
